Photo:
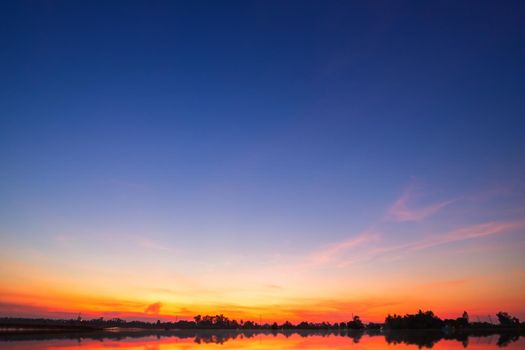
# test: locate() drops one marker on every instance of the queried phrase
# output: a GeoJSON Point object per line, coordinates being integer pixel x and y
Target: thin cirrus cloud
{"type": "Point", "coordinates": [370, 245]}
{"type": "Point", "coordinates": [469, 232]}
{"type": "Point", "coordinates": [401, 211]}
{"type": "Point", "coordinates": [336, 250]}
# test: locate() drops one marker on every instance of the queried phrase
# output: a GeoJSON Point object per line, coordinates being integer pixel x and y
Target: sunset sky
{"type": "Point", "coordinates": [268, 160]}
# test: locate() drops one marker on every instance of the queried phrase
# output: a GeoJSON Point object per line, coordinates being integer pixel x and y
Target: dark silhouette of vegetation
{"type": "Point", "coordinates": [421, 320]}
{"type": "Point", "coordinates": [423, 328]}
{"type": "Point", "coordinates": [507, 320]}
{"type": "Point", "coordinates": [199, 322]}
{"type": "Point", "coordinates": [428, 320]}
{"type": "Point", "coordinates": [356, 323]}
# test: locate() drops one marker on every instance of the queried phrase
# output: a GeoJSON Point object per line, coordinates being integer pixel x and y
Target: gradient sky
{"type": "Point", "coordinates": [263, 159]}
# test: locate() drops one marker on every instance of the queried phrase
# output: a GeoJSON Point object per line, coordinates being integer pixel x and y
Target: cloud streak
{"type": "Point", "coordinates": [373, 250]}
{"type": "Point", "coordinates": [467, 233]}
{"type": "Point", "coordinates": [402, 211]}
{"type": "Point", "coordinates": [334, 251]}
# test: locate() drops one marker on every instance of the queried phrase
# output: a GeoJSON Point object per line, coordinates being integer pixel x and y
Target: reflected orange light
{"type": "Point", "coordinates": [257, 342]}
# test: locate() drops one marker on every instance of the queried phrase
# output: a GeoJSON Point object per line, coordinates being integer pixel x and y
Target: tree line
{"type": "Point", "coordinates": [428, 320]}
{"type": "Point", "coordinates": [420, 320]}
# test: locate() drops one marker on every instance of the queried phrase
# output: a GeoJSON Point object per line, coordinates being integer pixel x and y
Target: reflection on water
{"type": "Point", "coordinates": [202, 340]}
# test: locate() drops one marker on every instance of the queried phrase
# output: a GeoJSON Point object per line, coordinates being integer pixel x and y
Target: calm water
{"type": "Point", "coordinates": [255, 341]}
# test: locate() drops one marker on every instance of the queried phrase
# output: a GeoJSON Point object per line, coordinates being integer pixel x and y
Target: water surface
{"type": "Point", "coordinates": [212, 340]}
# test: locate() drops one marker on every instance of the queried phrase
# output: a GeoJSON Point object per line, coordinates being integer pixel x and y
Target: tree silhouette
{"type": "Point", "coordinates": [507, 320]}
{"type": "Point", "coordinates": [356, 323]}
{"type": "Point", "coordinates": [421, 320]}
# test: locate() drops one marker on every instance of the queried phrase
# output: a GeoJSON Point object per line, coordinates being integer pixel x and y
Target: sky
{"type": "Point", "coordinates": [268, 160]}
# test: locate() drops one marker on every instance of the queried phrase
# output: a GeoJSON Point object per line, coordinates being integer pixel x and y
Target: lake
{"type": "Point", "coordinates": [203, 340]}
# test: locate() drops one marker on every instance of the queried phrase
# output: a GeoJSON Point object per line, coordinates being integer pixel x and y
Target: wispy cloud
{"type": "Point", "coordinates": [375, 250]}
{"type": "Point", "coordinates": [468, 232]}
{"type": "Point", "coordinates": [404, 210]}
{"type": "Point", "coordinates": [153, 308]}
{"type": "Point", "coordinates": [371, 244]}
{"type": "Point", "coordinates": [336, 250]}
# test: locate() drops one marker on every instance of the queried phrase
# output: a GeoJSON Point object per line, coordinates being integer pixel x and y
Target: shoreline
{"type": "Point", "coordinates": [65, 329]}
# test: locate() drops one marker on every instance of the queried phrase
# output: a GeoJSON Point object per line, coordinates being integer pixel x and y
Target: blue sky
{"type": "Point", "coordinates": [269, 127]}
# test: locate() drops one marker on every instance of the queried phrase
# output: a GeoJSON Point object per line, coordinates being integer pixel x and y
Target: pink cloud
{"type": "Point", "coordinates": [400, 210]}
{"type": "Point", "coordinates": [371, 251]}
{"type": "Point", "coordinates": [334, 251]}
{"type": "Point", "coordinates": [473, 231]}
